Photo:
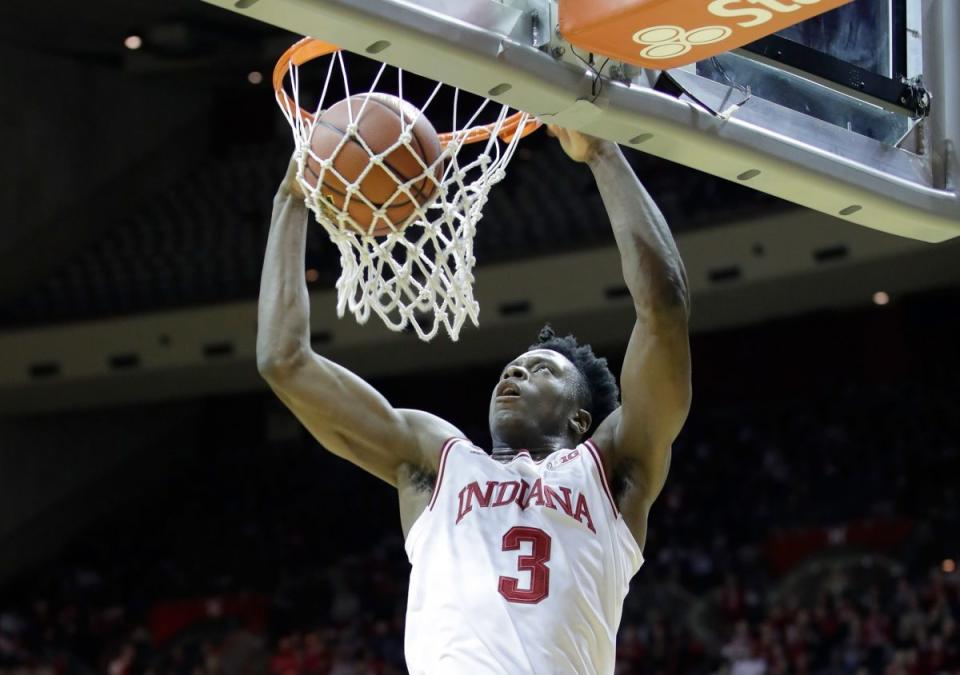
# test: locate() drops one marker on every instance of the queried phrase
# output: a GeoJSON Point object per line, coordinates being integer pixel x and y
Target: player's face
{"type": "Point", "coordinates": [537, 393]}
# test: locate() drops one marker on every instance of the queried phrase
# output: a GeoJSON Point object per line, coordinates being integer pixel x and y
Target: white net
{"type": "Point", "coordinates": [408, 258]}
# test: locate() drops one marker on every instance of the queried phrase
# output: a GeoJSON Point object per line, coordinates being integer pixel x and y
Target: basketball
{"type": "Point", "coordinates": [380, 120]}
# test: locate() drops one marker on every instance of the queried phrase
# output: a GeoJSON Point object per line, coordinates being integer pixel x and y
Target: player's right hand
{"type": "Point", "coordinates": [579, 147]}
{"type": "Point", "coordinates": [290, 184]}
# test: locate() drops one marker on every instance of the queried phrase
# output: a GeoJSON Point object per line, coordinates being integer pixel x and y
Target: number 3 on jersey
{"type": "Point", "coordinates": [535, 563]}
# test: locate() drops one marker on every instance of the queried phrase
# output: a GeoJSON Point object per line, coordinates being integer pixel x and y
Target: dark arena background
{"type": "Point", "coordinates": [162, 513]}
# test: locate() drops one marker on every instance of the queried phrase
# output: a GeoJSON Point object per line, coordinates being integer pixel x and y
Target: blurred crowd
{"type": "Point", "coordinates": [907, 627]}
{"type": "Point", "coordinates": [226, 575]}
{"type": "Point", "coordinates": [909, 631]}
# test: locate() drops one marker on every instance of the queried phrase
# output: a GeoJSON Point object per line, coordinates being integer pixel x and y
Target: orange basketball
{"type": "Point", "coordinates": [379, 123]}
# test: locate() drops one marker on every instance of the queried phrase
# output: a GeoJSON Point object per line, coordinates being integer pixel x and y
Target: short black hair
{"type": "Point", "coordinates": [601, 396]}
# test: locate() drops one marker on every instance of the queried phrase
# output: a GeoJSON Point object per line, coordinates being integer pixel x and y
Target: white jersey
{"type": "Point", "coordinates": [519, 567]}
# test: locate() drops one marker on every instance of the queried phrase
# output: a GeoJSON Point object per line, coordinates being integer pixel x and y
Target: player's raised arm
{"type": "Point", "coordinates": [655, 380]}
{"type": "Point", "coordinates": [348, 416]}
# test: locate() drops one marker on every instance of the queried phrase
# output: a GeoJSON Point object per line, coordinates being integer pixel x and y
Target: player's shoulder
{"type": "Point", "coordinates": [433, 434]}
{"type": "Point", "coordinates": [604, 438]}
{"type": "Point", "coordinates": [428, 425]}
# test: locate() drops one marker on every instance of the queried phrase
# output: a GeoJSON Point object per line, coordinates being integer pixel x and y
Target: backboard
{"type": "Point", "coordinates": [855, 113]}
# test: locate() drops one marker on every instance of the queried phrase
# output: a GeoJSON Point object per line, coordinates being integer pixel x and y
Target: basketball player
{"type": "Point", "coordinates": [521, 556]}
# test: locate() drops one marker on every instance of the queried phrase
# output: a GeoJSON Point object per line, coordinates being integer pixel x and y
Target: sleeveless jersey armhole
{"type": "Point", "coordinates": [418, 524]}
{"type": "Point", "coordinates": [627, 535]}
{"type": "Point", "coordinates": [597, 457]}
{"type": "Point", "coordinates": [444, 454]}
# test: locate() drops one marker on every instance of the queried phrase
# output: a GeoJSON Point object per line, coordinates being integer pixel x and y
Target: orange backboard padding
{"type": "Point", "coordinates": [665, 34]}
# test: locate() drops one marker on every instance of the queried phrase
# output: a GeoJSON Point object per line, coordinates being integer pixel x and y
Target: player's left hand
{"type": "Point", "coordinates": [579, 146]}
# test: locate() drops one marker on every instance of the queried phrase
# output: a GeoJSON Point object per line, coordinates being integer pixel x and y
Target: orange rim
{"type": "Point", "coordinates": [308, 49]}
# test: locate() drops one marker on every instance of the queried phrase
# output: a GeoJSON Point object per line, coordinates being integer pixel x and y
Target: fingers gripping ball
{"type": "Point", "coordinates": [373, 175]}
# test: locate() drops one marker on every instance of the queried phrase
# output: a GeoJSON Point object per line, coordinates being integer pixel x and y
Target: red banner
{"type": "Point", "coordinates": [786, 549]}
{"type": "Point", "coordinates": [169, 618]}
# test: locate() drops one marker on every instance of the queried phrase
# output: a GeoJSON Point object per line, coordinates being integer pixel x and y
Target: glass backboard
{"type": "Point", "coordinates": [854, 113]}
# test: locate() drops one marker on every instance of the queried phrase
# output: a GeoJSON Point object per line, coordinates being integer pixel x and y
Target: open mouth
{"type": "Point", "coordinates": [508, 390]}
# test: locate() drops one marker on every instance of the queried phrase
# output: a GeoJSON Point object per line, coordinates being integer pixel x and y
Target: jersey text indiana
{"type": "Point", "coordinates": [521, 494]}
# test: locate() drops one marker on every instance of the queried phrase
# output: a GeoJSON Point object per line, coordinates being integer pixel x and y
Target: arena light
{"type": "Point", "coordinates": [880, 298]}
{"type": "Point", "coordinates": [133, 42]}
{"type": "Point", "coordinates": [949, 566]}
{"type": "Point", "coordinates": [312, 275]}
{"type": "Point", "coordinates": [254, 77]}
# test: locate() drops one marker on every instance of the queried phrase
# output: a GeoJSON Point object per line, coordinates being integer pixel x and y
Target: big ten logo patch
{"type": "Point", "coordinates": [569, 457]}
{"type": "Point", "coordinates": [669, 41]}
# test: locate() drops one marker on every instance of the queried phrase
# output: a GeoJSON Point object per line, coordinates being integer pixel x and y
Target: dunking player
{"type": "Point", "coordinates": [521, 557]}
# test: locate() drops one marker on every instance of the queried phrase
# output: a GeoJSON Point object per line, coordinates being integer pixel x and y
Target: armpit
{"type": "Point", "coordinates": [622, 479]}
{"type": "Point", "coordinates": [417, 479]}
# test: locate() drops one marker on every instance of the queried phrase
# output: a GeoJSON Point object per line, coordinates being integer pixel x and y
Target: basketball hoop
{"type": "Point", "coordinates": [419, 275]}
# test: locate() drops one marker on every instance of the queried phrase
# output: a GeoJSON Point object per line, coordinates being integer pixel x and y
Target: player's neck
{"type": "Point", "coordinates": [507, 454]}
{"type": "Point", "coordinates": [537, 447]}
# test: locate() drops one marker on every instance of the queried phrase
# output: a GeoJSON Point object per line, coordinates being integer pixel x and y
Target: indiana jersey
{"type": "Point", "coordinates": [518, 567]}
